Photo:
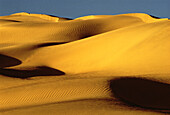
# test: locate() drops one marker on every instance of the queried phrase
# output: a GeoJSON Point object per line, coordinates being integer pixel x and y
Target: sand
{"type": "Point", "coordinates": [91, 65]}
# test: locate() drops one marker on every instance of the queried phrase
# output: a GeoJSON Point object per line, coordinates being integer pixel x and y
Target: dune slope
{"type": "Point", "coordinates": [107, 64]}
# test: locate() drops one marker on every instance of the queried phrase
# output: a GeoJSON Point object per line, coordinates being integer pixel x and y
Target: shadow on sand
{"type": "Point", "coordinates": [49, 44]}
{"type": "Point", "coordinates": [38, 71]}
{"type": "Point", "coordinates": [7, 61]}
{"type": "Point", "coordinates": [142, 93]}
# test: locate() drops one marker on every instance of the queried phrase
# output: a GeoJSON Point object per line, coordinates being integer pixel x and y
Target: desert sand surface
{"type": "Point", "coordinates": [91, 65]}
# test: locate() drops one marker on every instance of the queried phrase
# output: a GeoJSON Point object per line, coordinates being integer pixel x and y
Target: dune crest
{"type": "Point", "coordinates": [146, 17]}
{"type": "Point", "coordinates": [109, 64]}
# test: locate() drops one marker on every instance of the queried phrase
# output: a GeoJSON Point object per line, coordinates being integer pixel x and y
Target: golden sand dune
{"type": "Point", "coordinates": [103, 64]}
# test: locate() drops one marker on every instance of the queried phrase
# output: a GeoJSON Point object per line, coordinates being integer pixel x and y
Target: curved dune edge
{"type": "Point", "coordinates": [49, 62]}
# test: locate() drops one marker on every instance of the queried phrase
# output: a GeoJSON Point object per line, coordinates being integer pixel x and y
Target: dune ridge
{"type": "Point", "coordinates": [109, 64]}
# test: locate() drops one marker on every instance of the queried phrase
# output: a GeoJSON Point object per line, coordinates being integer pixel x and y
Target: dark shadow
{"type": "Point", "coordinates": [87, 35]}
{"type": "Point", "coordinates": [142, 93]}
{"type": "Point", "coordinates": [49, 44]}
{"type": "Point", "coordinates": [154, 17]}
{"type": "Point", "coordinates": [38, 71]}
{"type": "Point", "coordinates": [157, 17]}
{"type": "Point", "coordinates": [9, 20]}
{"type": "Point", "coordinates": [7, 61]}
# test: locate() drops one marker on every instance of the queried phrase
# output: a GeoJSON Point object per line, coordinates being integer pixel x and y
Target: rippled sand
{"type": "Point", "coordinates": [92, 65]}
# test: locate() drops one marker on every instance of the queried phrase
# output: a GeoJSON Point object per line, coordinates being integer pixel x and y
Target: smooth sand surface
{"type": "Point", "coordinates": [91, 65]}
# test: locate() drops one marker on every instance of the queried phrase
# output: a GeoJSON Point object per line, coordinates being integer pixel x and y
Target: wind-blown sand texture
{"type": "Point", "coordinates": [92, 65]}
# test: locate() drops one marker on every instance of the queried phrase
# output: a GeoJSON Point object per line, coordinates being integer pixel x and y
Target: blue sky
{"type": "Point", "coordinates": [77, 8]}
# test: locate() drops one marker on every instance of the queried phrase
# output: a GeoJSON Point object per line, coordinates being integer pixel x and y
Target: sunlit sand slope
{"type": "Point", "coordinates": [103, 64]}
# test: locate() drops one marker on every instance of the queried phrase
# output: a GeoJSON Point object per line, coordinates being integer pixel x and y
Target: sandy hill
{"type": "Point", "coordinates": [98, 64]}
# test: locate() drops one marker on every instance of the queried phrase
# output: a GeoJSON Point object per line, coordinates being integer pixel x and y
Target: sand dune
{"type": "Point", "coordinates": [103, 64]}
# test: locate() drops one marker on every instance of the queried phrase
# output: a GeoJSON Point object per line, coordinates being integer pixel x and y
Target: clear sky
{"type": "Point", "coordinates": [77, 8]}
